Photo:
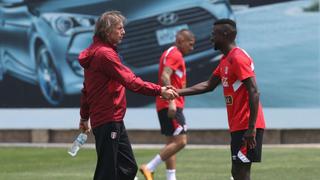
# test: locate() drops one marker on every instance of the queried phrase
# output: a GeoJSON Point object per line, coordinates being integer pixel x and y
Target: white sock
{"type": "Point", "coordinates": [171, 174]}
{"type": "Point", "coordinates": [154, 163]}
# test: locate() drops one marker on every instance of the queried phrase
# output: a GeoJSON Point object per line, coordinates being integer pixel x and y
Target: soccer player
{"type": "Point", "coordinates": [245, 117]}
{"type": "Point", "coordinates": [103, 98]}
{"type": "Point", "coordinates": [172, 71]}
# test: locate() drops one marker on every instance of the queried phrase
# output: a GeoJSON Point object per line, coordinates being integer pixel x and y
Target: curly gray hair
{"type": "Point", "coordinates": [106, 23]}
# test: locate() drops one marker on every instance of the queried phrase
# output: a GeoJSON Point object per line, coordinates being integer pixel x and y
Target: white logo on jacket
{"type": "Point", "coordinates": [113, 135]}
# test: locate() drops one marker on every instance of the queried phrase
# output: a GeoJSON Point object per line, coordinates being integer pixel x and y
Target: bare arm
{"type": "Point", "coordinates": [253, 93]}
{"type": "Point", "coordinates": [253, 100]}
{"type": "Point", "coordinates": [165, 78]}
{"type": "Point", "coordinates": [201, 88]}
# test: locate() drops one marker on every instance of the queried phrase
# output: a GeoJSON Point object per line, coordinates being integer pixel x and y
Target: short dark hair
{"type": "Point", "coordinates": [229, 28]}
{"type": "Point", "coordinates": [226, 21]}
{"type": "Point", "coordinates": [186, 33]}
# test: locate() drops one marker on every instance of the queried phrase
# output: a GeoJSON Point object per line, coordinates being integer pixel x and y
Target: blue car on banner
{"type": "Point", "coordinates": [40, 39]}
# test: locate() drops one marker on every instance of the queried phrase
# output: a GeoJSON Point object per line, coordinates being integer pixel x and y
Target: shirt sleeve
{"type": "Point", "coordinates": [84, 106]}
{"type": "Point", "coordinates": [243, 67]}
{"type": "Point", "coordinates": [112, 67]}
{"type": "Point", "coordinates": [172, 61]}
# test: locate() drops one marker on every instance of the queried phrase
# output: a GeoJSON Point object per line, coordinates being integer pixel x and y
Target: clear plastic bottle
{"type": "Point", "coordinates": [77, 143]}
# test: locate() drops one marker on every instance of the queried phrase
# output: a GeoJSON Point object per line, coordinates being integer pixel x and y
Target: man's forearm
{"type": "Point", "coordinates": [166, 81]}
{"type": "Point", "coordinates": [253, 94]}
{"type": "Point", "coordinates": [196, 89]}
{"type": "Point", "coordinates": [254, 106]}
{"type": "Point", "coordinates": [165, 76]}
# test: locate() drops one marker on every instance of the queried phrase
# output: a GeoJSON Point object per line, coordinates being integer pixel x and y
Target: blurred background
{"type": "Point", "coordinates": [40, 78]}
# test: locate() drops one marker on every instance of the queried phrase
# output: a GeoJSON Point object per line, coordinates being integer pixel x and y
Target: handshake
{"type": "Point", "coordinates": [169, 92]}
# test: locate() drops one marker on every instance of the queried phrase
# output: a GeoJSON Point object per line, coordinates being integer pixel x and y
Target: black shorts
{"type": "Point", "coordinates": [241, 154]}
{"type": "Point", "coordinates": [172, 126]}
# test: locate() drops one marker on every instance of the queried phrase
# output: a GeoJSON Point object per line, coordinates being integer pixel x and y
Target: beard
{"type": "Point", "coordinates": [216, 46]}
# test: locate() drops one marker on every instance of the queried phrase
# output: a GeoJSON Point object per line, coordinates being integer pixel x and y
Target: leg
{"type": "Point", "coordinates": [175, 130]}
{"type": "Point", "coordinates": [241, 171]}
{"type": "Point", "coordinates": [127, 164]}
{"type": "Point", "coordinates": [174, 145]}
{"type": "Point", "coordinates": [171, 168]}
{"type": "Point", "coordinates": [242, 156]}
{"type": "Point", "coordinates": [171, 162]}
{"type": "Point", "coordinates": [107, 150]}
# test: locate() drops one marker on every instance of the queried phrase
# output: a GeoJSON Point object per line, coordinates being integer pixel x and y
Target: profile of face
{"type": "Point", "coordinates": [187, 45]}
{"type": "Point", "coordinates": [116, 35]}
{"type": "Point", "coordinates": [218, 37]}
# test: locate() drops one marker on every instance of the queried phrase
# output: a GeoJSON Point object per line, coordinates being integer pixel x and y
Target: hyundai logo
{"type": "Point", "coordinates": [168, 18]}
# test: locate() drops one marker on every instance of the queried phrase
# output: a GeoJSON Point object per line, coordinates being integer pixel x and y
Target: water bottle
{"type": "Point", "coordinates": [77, 143]}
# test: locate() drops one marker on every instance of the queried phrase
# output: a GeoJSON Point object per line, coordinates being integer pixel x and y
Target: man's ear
{"type": "Point", "coordinates": [179, 41]}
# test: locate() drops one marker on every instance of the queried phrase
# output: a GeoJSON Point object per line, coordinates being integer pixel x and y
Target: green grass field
{"type": "Point", "coordinates": [193, 164]}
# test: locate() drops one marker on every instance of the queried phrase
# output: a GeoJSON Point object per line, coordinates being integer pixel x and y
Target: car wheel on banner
{"type": "Point", "coordinates": [48, 78]}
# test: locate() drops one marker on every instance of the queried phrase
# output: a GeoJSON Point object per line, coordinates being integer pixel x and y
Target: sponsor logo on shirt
{"type": "Point", "coordinates": [229, 100]}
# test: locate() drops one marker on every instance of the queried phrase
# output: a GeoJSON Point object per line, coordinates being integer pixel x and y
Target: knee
{"type": "Point", "coordinates": [183, 142]}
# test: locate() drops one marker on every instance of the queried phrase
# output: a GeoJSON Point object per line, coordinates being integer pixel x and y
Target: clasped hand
{"type": "Point", "coordinates": [169, 92]}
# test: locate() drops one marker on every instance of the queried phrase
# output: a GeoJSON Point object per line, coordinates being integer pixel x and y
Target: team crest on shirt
{"type": "Point", "coordinates": [113, 135]}
{"type": "Point", "coordinates": [224, 81]}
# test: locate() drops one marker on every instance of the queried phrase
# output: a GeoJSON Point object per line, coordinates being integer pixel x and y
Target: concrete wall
{"type": "Point", "coordinates": [217, 137]}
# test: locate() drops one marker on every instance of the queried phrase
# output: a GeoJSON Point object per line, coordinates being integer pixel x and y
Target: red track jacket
{"type": "Point", "coordinates": [103, 97]}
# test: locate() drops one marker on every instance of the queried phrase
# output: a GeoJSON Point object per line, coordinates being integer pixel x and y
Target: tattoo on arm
{"type": "Point", "coordinates": [165, 77]}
